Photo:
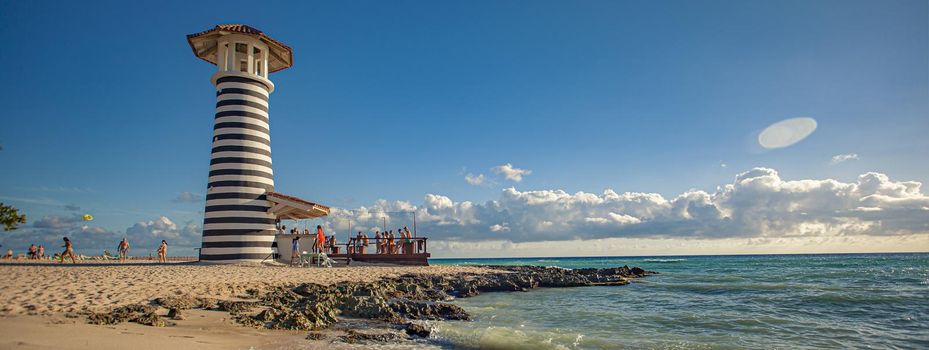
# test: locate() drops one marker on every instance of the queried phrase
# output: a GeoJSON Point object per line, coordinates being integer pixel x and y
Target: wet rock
{"type": "Point", "coordinates": [267, 315]}
{"type": "Point", "coordinates": [208, 303]}
{"type": "Point", "coordinates": [418, 330]}
{"type": "Point", "coordinates": [236, 306]}
{"type": "Point", "coordinates": [179, 302]}
{"type": "Point", "coordinates": [247, 321]}
{"type": "Point", "coordinates": [175, 314]}
{"type": "Point", "coordinates": [353, 336]}
{"type": "Point", "coordinates": [418, 310]}
{"type": "Point", "coordinates": [296, 321]}
{"type": "Point", "coordinates": [394, 300]}
{"type": "Point", "coordinates": [151, 319]}
{"type": "Point", "coordinates": [121, 314]}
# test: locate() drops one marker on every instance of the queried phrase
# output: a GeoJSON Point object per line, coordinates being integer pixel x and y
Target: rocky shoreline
{"type": "Point", "coordinates": [389, 310]}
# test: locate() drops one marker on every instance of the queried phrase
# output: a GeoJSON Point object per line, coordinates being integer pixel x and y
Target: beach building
{"type": "Point", "coordinates": [242, 207]}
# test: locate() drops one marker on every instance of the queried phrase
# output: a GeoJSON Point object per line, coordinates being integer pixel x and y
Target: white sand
{"type": "Point", "coordinates": [47, 289]}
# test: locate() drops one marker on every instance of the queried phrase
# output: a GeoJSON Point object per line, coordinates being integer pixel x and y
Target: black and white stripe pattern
{"type": "Point", "coordinates": [236, 225]}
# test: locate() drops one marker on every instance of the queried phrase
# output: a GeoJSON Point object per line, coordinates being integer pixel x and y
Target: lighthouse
{"type": "Point", "coordinates": [242, 209]}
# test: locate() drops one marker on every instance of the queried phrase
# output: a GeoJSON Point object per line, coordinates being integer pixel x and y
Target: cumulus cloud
{"type": "Point", "coordinates": [92, 240]}
{"type": "Point", "coordinates": [188, 197]}
{"type": "Point", "coordinates": [151, 232]}
{"type": "Point", "coordinates": [478, 180]}
{"type": "Point", "coordinates": [839, 158]}
{"type": "Point", "coordinates": [757, 204]}
{"type": "Point", "coordinates": [57, 222]}
{"type": "Point", "coordinates": [510, 172]}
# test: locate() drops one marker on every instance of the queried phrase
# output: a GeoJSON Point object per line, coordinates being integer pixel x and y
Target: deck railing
{"type": "Point", "coordinates": [395, 246]}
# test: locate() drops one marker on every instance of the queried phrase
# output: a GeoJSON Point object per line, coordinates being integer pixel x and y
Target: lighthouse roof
{"type": "Point", "coordinates": [204, 45]}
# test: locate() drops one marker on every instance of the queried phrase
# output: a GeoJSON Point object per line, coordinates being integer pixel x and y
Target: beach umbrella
{"type": "Point", "coordinates": [88, 217]}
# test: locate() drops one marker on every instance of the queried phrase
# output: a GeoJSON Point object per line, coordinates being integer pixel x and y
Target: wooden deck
{"type": "Point", "coordinates": [420, 259]}
{"type": "Point", "coordinates": [407, 251]}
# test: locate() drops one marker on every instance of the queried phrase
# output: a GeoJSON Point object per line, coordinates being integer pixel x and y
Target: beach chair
{"type": "Point", "coordinates": [318, 259]}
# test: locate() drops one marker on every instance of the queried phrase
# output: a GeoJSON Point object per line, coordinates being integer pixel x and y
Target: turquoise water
{"type": "Point", "coordinates": [710, 302]}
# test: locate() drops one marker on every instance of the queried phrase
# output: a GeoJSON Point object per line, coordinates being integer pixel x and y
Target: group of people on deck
{"type": "Point", "coordinates": [385, 243]}
{"type": "Point", "coordinates": [389, 243]}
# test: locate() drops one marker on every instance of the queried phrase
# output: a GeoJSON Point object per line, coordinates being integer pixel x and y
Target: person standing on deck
{"type": "Point", "coordinates": [364, 243]}
{"type": "Point", "coordinates": [377, 242]}
{"type": "Point", "coordinates": [408, 245]}
{"type": "Point", "coordinates": [356, 244]}
{"type": "Point", "coordinates": [32, 252]}
{"type": "Point", "coordinates": [391, 245]}
{"type": "Point", "coordinates": [320, 239]}
{"type": "Point", "coordinates": [41, 252]}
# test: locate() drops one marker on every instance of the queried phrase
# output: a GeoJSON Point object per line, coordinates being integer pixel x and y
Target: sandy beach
{"type": "Point", "coordinates": [48, 288]}
{"type": "Point", "coordinates": [40, 303]}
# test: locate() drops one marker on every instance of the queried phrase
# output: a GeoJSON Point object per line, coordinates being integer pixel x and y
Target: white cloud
{"type": "Point", "coordinates": [92, 240]}
{"type": "Point", "coordinates": [478, 180]}
{"type": "Point", "coordinates": [499, 228]}
{"type": "Point", "coordinates": [510, 172]}
{"type": "Point", "coordinates": [839, 158]}
{"type": "Point", "coordinates": [757, 204]}
{"type": "Point", "coordinates": [188, 197]}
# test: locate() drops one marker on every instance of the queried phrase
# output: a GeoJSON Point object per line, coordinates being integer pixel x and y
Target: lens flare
{"type": "Point", "coordinates": [786, 132]}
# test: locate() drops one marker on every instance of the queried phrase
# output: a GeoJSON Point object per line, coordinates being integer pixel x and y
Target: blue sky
{"type": "Point", "coordinates": [107, 109]}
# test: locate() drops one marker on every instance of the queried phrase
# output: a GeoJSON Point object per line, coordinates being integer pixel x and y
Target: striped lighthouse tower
{"type": "Point", "coordinates": [238, 225]}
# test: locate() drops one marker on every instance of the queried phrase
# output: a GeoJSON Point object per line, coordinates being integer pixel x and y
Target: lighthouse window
{"type": "Point", "coordinates": [242, 59]}
{"type": "Point", "coordinates": [258, 68]}
{"type": "Point", "coordinates": [223, 56]}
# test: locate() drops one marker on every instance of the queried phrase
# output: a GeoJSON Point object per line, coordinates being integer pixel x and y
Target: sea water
{"type": "Point", "coordinates": [709, 302]}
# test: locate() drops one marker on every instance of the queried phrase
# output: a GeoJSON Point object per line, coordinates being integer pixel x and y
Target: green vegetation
{"type": "Point", "coordinates": [10, 217]}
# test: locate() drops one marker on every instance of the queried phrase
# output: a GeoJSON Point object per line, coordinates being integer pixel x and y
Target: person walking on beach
{"type": "Point", "coordinates": [69, 252]}
{"type": "Point", "coordinates": [163, 252]}
{"type": "Point", "coordinates": [123, 249]}
{"type": "Point", "coordinates": [41, 252]}
{"type": "Point", "coordinates": [320, 240]}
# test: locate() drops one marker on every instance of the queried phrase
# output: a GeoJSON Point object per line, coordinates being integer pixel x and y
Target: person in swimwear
{"type": "Point", "coordinates": [69, 252]}
{"type": "Point", "coordinates": [123, 249]}
{"type": "Point", "coordinates": [320, 239]}
{"type": "Point", "coordinates": [163, 252]}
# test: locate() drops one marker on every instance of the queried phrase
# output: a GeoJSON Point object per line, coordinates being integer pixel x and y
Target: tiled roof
{"type": "Point", "coordinates": [249, 30]}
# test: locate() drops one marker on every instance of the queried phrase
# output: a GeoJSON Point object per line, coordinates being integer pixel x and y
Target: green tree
{"type": "Point", "coordinates": [10, 217]}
